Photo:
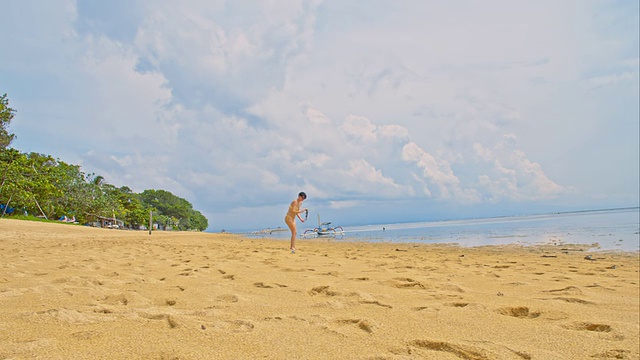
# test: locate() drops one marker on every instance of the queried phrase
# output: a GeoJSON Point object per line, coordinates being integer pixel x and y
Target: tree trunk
{"type": "Point", "coordinates": [38, 205]}
{"type": "Point", "coordinates": [6, 206]}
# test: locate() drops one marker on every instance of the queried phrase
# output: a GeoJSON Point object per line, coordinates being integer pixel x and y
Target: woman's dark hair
{"type": "Point", "coordinates": [304, 196]}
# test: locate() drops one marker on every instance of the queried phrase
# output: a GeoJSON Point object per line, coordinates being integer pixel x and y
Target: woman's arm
{"type": "Point", "coordinates": [300, 212]}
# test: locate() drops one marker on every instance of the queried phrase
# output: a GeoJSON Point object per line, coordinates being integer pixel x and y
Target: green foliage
{"type": "Point", "coordinates": [39, 184]}
{"type": "Point", "coordinates": [198, 221]}
{"type": "Point", "coordinates": [6, 114]}
{"type": "Point", "coordinates": [175, 212]}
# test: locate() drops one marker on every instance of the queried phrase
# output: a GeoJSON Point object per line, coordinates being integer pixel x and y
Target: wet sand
{"type": "Point", "coordinates": [72, 292]}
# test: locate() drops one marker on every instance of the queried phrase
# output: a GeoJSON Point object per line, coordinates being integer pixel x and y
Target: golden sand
{"type": "Point", "coordinates": [72, 292]}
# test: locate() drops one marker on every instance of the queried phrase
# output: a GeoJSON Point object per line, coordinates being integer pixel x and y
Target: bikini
{"type": "Point", "coordinates": [291, 215]}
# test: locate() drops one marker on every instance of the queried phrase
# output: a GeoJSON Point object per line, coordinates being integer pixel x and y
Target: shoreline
{"type": "Point", "coordinates": [603, 230]}
{"type": "Point", "coordinates": [76, 292]}
{"type": "Point", "coordinates": [559, 246]}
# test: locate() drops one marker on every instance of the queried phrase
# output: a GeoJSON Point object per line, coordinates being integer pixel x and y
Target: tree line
{"type": "Point", "coordinates": [35, 184]}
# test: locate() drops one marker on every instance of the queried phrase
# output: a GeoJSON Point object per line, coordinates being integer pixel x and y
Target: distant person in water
{"type": "Point", "coordinates": [290, 218]}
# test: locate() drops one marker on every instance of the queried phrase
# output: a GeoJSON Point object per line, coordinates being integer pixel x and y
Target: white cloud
{"type": "Point", "coordinates": [483, 153]}
{"type": "Point", "coordinates": [613, 79]}
{"type": "Point", "coordinates": [394, 132]}
{"type": "Point", "coordinates": [438, 172]}
{"type": "Point", "coordinates": [239, 106]}
{"type": "Point", "coordinates": [344, 204]}
{"type": "Point", "coordinates": [512, 175]}
{"type": "Point", "coordinates": [361, 169]}
{"type": "Point", "coordinates": [125, 103]}
{"type": "Point", "coordinates": [359, 128]}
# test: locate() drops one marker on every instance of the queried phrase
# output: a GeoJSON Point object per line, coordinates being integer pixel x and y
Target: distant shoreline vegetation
{"type": "Point", "coordinates": [39, 186]}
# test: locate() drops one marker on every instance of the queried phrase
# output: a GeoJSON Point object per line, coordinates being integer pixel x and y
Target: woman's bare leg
{"type": "Point", "coordinates": [294, 232]}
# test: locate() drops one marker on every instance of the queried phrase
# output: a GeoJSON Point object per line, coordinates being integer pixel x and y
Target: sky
{"type": "Point", "coordinates": [382, 111]}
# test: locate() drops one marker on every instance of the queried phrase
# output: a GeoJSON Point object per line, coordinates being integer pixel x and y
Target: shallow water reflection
{"type": "Point", "coordinates": [605, 229]}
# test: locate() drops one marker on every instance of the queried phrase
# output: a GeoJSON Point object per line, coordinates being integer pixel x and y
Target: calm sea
{"type": "Point", "coordinates": [617, 229]}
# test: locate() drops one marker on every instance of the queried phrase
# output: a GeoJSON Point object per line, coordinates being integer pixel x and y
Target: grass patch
{"type": "Point", "coordinates": [35, 218]}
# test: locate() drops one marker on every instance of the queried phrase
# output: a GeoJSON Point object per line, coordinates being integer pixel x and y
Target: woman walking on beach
{"type": "Point", "coordinates": [290, 218]}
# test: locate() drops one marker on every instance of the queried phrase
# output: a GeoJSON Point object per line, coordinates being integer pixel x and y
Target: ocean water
{"type": "Point", "coordinates": [617, 229]}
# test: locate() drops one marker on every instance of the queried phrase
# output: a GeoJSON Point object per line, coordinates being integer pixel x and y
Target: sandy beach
{"type": "Point", "coordinates": [73, 292]}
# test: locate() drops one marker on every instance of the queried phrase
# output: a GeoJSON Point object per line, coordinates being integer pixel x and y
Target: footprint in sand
{"type": "Point", "coordinates": [601, 287]}
{"type": "Point", "coordinates": [229, 298]}
{"type": "Point", "coordinates": [453, 288]}
{"type": "Point", "coordinates": [266, 286]}
{"type": "Point", "coordinates": [587, 326]}
{"type": "Point", "coordinates": [521, 312]}
{"type": "Point", "coordinates": [561, 278]}
{"type": "Point", "coordinates": [573, 300]}
{"type": "Point", "coordinates": [427, 347]}
{"type": "Point", "coordinates": [68, 316]}
{"type": "Point", "coordinates": [613, 354]}
{"type": "Point", "coordinates": [234, 326]}
{"type": "Point", "coordinates": [85, 335]}
{"type": "Point", "coordinates": [569, 290]}
{"type": "Point", "coordinates": [126, 298]}
{"type": "Point", "coordinates": [188, 272]}
{"type": "Point", "coordinates": [501, 266]}
{"type": "Point", "coordinates": [405, 283]}
{"type": "Point", "coordinates": [333, 304]}
{"type": "Point", "coordinates": [461, 351]}
{"type": "Point", "coordinates": [262, 285]}
{"type": "Point", "coordinates": [364, 325]}
{"type": "Point", "coordinates": [375, 302]}
{"type": "Point", "coordinates": [240, 326]}
{"type": "Point", "coordinates": [458, 304]}
{"type": "Point", "coordinates": [116, 299]}
{"type": "Point", "coordinates": [172, 322]}
{"type": "Point", "coordinates": [322, 290]}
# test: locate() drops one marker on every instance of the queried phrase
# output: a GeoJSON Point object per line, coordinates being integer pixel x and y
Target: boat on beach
{"type": "Point", "coordinates": [324, 229]}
